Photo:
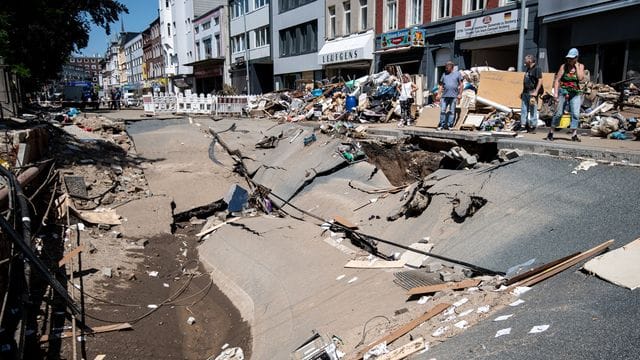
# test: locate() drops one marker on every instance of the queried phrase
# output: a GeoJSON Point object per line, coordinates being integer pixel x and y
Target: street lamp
{"type": "Point", "coordinates": [245, 4]}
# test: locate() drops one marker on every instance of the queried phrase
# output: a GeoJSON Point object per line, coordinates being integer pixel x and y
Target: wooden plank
{"type": "Point", "coordinates": [108, 217]}
{"type": "Point", "coordinates": [462, 116]}
{"type": "Point", "coordinates": [562, 266]}
{"type": "Point", "coordinates": [429, 117]}
{"type": "Point", "coordinates": [391, 337]}
{"type": "Point", "coordinates": [94, 330]}
{"type": "Point", "coordinates": [344, 222]}
{"type": "Point", "coordinates": [404, 351]}
{"type": "Point", "coordinates": [211, 229]}
{"type": "Point", "coordinates": [71, 254]}
{"type": "Point", "coordinates": [538, 269]}
{"type": "Point", "coordinates": [378, 264]}
{"type": "Point", "coordinates": [446, 286]}
{"type": "Point", "coordinates": [505, 87]}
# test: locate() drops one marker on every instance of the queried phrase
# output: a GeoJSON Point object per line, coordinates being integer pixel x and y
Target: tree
{"type": "Point", "coordinates": [38, 36]}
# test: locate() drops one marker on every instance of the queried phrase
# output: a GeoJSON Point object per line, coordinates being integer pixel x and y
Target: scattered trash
{"type": "Point", "coordinates": [423, 300]}
{"type": "Point", "coordinates": [503, 317]}
{"type": "Point", "coordinates": [466, 312]}
{"type": "Point", "coordinates": [152, 306]}
{"type": "Point", "coordinates": [230, 354]}
{"type": "Point", "coordinates": [483, 309]}
{"type": "Point", "coordinates": [503, 332]}
{"type": "Point", "coordinates": [585, 165]}
{"type": "Point", "coordinates": [224, 346]}
{"type": "Point", "coordinates": [106, 272]}
{"type": "Point", "coordinates": [191, 320]}
{"type": "Point", "coordinates": [519, 290]}
{"type": "Point", "coordinates": [538, 329]}
{"type": "Point", "coordinates": [153, 273]}
{"type": "Point", "coordinates": [376, 351]}
{"type": "Point", "coordinates": [460, 302]}
{"type": "Point", "coordinates": [461, 324]}
{"type": "Point", "coordinates": [440, 331]}
{"type": "Point", "coordinates": [353, 279]}
{"type": "Point", "coordinates": [340, 277]}
{"type": "Point", "coordinates": [165, 285]}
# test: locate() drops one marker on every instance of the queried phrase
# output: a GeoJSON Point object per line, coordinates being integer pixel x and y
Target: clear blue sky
{"type": "Point", "coordinates": [141, 14]}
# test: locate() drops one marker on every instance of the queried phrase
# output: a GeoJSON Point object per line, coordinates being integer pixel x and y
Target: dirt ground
{"type": "Point", "coordinates": [401, 163]}
{"type": "Point", "coordinates": [185, 289]}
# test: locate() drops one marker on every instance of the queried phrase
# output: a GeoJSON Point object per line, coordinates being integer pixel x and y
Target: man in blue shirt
{"type": "Point", "coordinates": [449, 91]}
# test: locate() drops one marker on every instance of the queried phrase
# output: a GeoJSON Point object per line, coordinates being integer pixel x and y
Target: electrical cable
{"type": "Point", "coordinates": [364, 328]}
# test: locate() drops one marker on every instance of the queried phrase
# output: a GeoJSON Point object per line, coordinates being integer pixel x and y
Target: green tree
{"type": "Point", "coordinates": [38, 36]}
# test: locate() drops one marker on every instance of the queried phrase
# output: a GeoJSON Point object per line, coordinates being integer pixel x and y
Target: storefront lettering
{"type": "Point", "coordinates": [342, 56]}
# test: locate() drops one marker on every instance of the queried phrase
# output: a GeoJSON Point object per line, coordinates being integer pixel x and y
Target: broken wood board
{"type": "Point", "coordinates": [100, 357]}
{"type": "Point", "coordinates": [344, 222]}
{"type": "Point", "coordinates": [404, 351]}
{"type": "Point", "coordinates": [429, 117]}
{"type": "Point", "coordinates": [374, 264]}
{"type": "Point", "coordinates": [71, 254]}
{"type": "Point", "coordinates": [474, 120]}
{"type": "Point", "coordinates": [538, 269]}
{"type": "Point", "coordinates": [94, 330]}
{"type": "Point", "coordinates": [204, 232]}
{"type": "Point", "coordinates": [561, 266]}
{"type": "Point", "coordinates": [394, 335]}
{"type": "Point", "coordinates": [505, 87]}
{"type": "Point", "coordinates": [461, 118]}
{"type": "Point", "coordinates": [108, 217]}
{"type": "Point", "coordinates": [415, 259]}
{"type": "Point", "coordinates": [620, 266]}
{"type": "Point", "coordinates": [446, 286]}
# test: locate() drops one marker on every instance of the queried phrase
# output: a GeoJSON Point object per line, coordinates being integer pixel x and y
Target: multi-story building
{"type": "Point", "coordinates": [89, 64]}
{"type": "Point", "coordinates": [123, 70]}
{"type": "Point", "coordinates": [604, 32]}
{"type": "Point", "coordinates": [74, 72]}
{"type": "Point", "coordinates": [348, 50]}
{"type": "Point", "coordinates": [250, 45]}
{"type": "Point", "coordinates": [133, 65]}
{"type": "Point", "coordinates": [210, 35]}
{"type": "Point", "coordinates": [422, 35]}
{"type": "Point", "coordinates": [298, 34]}
{"type": "Point", "coordinates": [176, 26]}
{"type": "Point", "coordinates": [152, 65]}
{"type": "Point", "coordinates": [110, 71]}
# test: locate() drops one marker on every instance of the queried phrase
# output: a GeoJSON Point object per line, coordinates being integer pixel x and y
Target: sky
{"type": "Point", "coordinates": [141, 14]}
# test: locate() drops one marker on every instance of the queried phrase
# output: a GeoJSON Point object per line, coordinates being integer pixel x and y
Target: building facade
{"type": "Point", "coordinates": [153, 64]}
{"type": "Point", "coordinates": [134, 60]}
{"type": "Point", "coordinates": [90, 65]}
{"type": "Point", "coordinates": [110, 71]}
{"type": "Point", "coordinates": [348, 49]}
{"type": "Point", "coordinates": [211, 67]}
{"type": "Point", "coordinates": [298, 34]}
{"type": "Point", "coordinates": [250, 46]}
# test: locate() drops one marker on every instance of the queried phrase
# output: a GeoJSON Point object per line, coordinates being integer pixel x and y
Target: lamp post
{"type": "Point", "coordinates": [523, 7]}
{"type": "Point", "coordinates": [245, 4]}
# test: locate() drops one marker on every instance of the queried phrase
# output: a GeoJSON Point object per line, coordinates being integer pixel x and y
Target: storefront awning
{"type": "Point", "coordinates": [493, 42]}
{"type": "Point", "coordinates": [351, 48]}
{"type": "Point", "coordinates": [394, 50]}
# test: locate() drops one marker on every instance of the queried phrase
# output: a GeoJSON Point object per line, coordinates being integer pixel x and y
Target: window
{"type": "Point", "coordinates": [415, 12]}
{"type": "Point", "coordinates": [72, 60]}
{"type": "Point", "coordinates": [286, 5]}
{"type": "Point", "coordinates": [93, 67]}
{"type": "Point", "coordinates": [260, 3]}
{"type": "Point", "coordinates": [238, 43]}
{"type": "Point", "coordinates": [507, 2]}
{"type": "Point", "coordinates": [208, 50]}
{"type": "Point", "coordinates": [168, 29]}
{"type": "Point", "coordinates": [347, 17]}
{"type": "Point", "coordinates": [392, 15]}
{"type": "Point", "coordinates": [166, 3]}
{"type": "Point", "coordinates": [441, 9]}
{"type": "Point", "coordinates": [196, 29]}
{"type": "Point", "coordinates": [363, 14]}
{"type": "Point", "coordinates": [218, 50]}
{"type": "Point", "coordinates": [332, 21]}
{"type": "Point", "coordinates": [262, 36]}
{"type": "Point", "coordinates": [206, 25]}
{"type": "Point", "coordinates": [474, 5]}
{"type": "Point", "coordinates": [300, 39]}
{"type": "Point", "coordinates": [198, 51]}
{"type": "Point", "coordinates": [216, 21]}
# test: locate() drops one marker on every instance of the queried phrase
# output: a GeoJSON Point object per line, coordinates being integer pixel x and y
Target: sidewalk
{"type": "Point", "coordinates": [590, 147]}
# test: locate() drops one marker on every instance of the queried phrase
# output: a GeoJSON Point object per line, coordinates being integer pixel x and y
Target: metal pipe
{"type": "Point", "coordinates": [24, 179]}
{"type": "Point", "coordinates": [494, 104]}
{"type": "Point", "coordinates": [523, 7]}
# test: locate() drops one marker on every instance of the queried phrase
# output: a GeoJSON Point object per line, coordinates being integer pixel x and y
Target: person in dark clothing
{"type": "Point", "coordinates": [531, 89]}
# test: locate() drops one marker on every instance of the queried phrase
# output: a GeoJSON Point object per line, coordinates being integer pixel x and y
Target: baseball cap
{"type": "Point", "coordinates": [573, 53]}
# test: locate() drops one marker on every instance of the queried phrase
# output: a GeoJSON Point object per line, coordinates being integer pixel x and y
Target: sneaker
{"type": "Point", "coordinates": [549, 137]}
{"type": "Point", "coordinates": [439, 128]}
{"type": "Point", "coordinates": [575, 138]}
{"type": "Point", "coordinates": [400, 124]}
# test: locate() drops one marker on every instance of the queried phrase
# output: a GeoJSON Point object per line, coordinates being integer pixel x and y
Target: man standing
{"type": "Point", "coordinates": [531, 88]}
{"type": "Point", "coordinates": [449, 92]}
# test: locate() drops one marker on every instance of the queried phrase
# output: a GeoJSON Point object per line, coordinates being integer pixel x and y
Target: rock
{"type": "Point", "coordinates": [433, 267]}
{"type": "Point", "coordinates": [116, 234]}
{"type": "Point", "coordinates": [195, 221]}
{"type": "Point", "coordinates": [509, 154]}
{"type": "Point", "coordinates": [117, 169]}
{"type": "Point", "coordinates": [107, 272]}
{"type": "Point", "coordinates": [451, 276]}
{"type": "Point", "coordinates": [191, 320]}
{"type": "Point", "coordinates": [108, 198]}
{"type": "Point", "coordinates": [467, 159]}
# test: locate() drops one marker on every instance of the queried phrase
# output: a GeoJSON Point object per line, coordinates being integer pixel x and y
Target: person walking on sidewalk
{"type": "Point", "coordinates": [566, 90]}
{"type": "Point", "coordinates": [531, 88]}
{"type": "Point", "coordinates": [449, 92]}
{"type": "Point", "coordinates": [406, 89]}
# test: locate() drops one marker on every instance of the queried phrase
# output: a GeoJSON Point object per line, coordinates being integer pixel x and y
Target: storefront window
{"type": "Point", "coordinates": [441, 9]}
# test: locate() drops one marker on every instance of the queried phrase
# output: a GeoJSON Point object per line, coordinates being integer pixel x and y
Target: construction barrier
{"type": "Point", "coordinates": [195, 104]}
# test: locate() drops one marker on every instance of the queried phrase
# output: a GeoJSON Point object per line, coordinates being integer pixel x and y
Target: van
{"type": "Point", "coordinates": [129, 98]}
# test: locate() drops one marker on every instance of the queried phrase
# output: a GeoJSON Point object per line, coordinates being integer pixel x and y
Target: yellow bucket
{"type": "Point", "coordinates": [565, 121]}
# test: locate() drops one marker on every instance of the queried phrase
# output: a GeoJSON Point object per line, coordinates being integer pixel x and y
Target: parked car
{"type": "Point", "coordinates": [129, 99]}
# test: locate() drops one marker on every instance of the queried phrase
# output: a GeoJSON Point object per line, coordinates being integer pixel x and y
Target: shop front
{"type": "Point", "coordinates": [208, 75]}
{"type": "Point", "coordinates": [404, 48]}
{"type": "Point", "coordinates": [347, 58]}
{"type": "Point", "coordinates": [490, 39]}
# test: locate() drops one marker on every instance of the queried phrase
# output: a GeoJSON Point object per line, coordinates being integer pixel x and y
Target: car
{"type": "Point", "coordinates": [129, 99]}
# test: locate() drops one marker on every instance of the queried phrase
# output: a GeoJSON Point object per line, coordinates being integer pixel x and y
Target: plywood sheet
{"type": "Point", "coordinates": [429, 117]}
{"type": "Point", "coordinates": [505, 87]}
{"type": "Point", "coordinates": [620, 266]}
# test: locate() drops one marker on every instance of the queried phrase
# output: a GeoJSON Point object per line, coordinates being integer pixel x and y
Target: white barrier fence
{"type": "Point", "coordinates": [195, 104]}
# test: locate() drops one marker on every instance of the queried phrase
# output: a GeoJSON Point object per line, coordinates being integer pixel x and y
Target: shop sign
{"type": "Point", "coordinates": [208, 71]}
{"type": "Point", "coordinates": [487, 25]}
{"type": "Point", "coordinates": [404, 37]}
{"type": "Point", "coordinates": [342, 56]}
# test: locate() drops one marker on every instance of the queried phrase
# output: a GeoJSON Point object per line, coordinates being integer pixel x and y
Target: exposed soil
{"type": "Point", "coordinates": [402, 164]}
{"type": "Point", "coordinates": [165, 333]}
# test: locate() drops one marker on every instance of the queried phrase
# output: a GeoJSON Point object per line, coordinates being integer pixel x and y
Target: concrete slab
{"type": "Point", "coordinates": [620, 266]}
{"type": "Point", "coordinates": [146, 217]}
{"type": "Point", "coordinates": [181, 168]}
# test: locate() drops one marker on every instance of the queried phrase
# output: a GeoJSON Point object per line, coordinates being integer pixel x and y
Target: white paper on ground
{"type": "Point", "coordinates": [460, 302]}
{"type": "Point", "coordinates": [340, 277]}
{"type": "Point", "coordinates": [423, 299]}
{"type": "Point", "coordinates": [538, 329]}
{"type": "Point", "coordinates": [483, 309]}
{"type": "Point", "coordinates": [461, 324]}
{"type": "Point", "coordinates": [440, 331]}
{"type": "Point", "coordinates": [353, 279]}
{"type": "Point", "coordinates": [465, 313]}
{"type": "Point", "coordinates": [517, 302]}
{"type": "Point", "coordinates": [449, 311]}
{"type": "Point", "coordinates": [503, 317]}
{"type": "Point", "coordinates": [502, 332]}
{"type": "Point", "coordinates": [520, 290]}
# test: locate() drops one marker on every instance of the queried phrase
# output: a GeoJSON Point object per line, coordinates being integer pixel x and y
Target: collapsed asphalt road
{"type": "Point", "coordinates": [282, 275]}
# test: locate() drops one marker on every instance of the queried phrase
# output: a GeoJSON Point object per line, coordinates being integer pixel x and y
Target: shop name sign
{"type": "Point", "coordinates": [487, 25]}
{"type": "Point", "coordinates": [404, 37]}
{"type": "Point", "coordinates": [342, 56]}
